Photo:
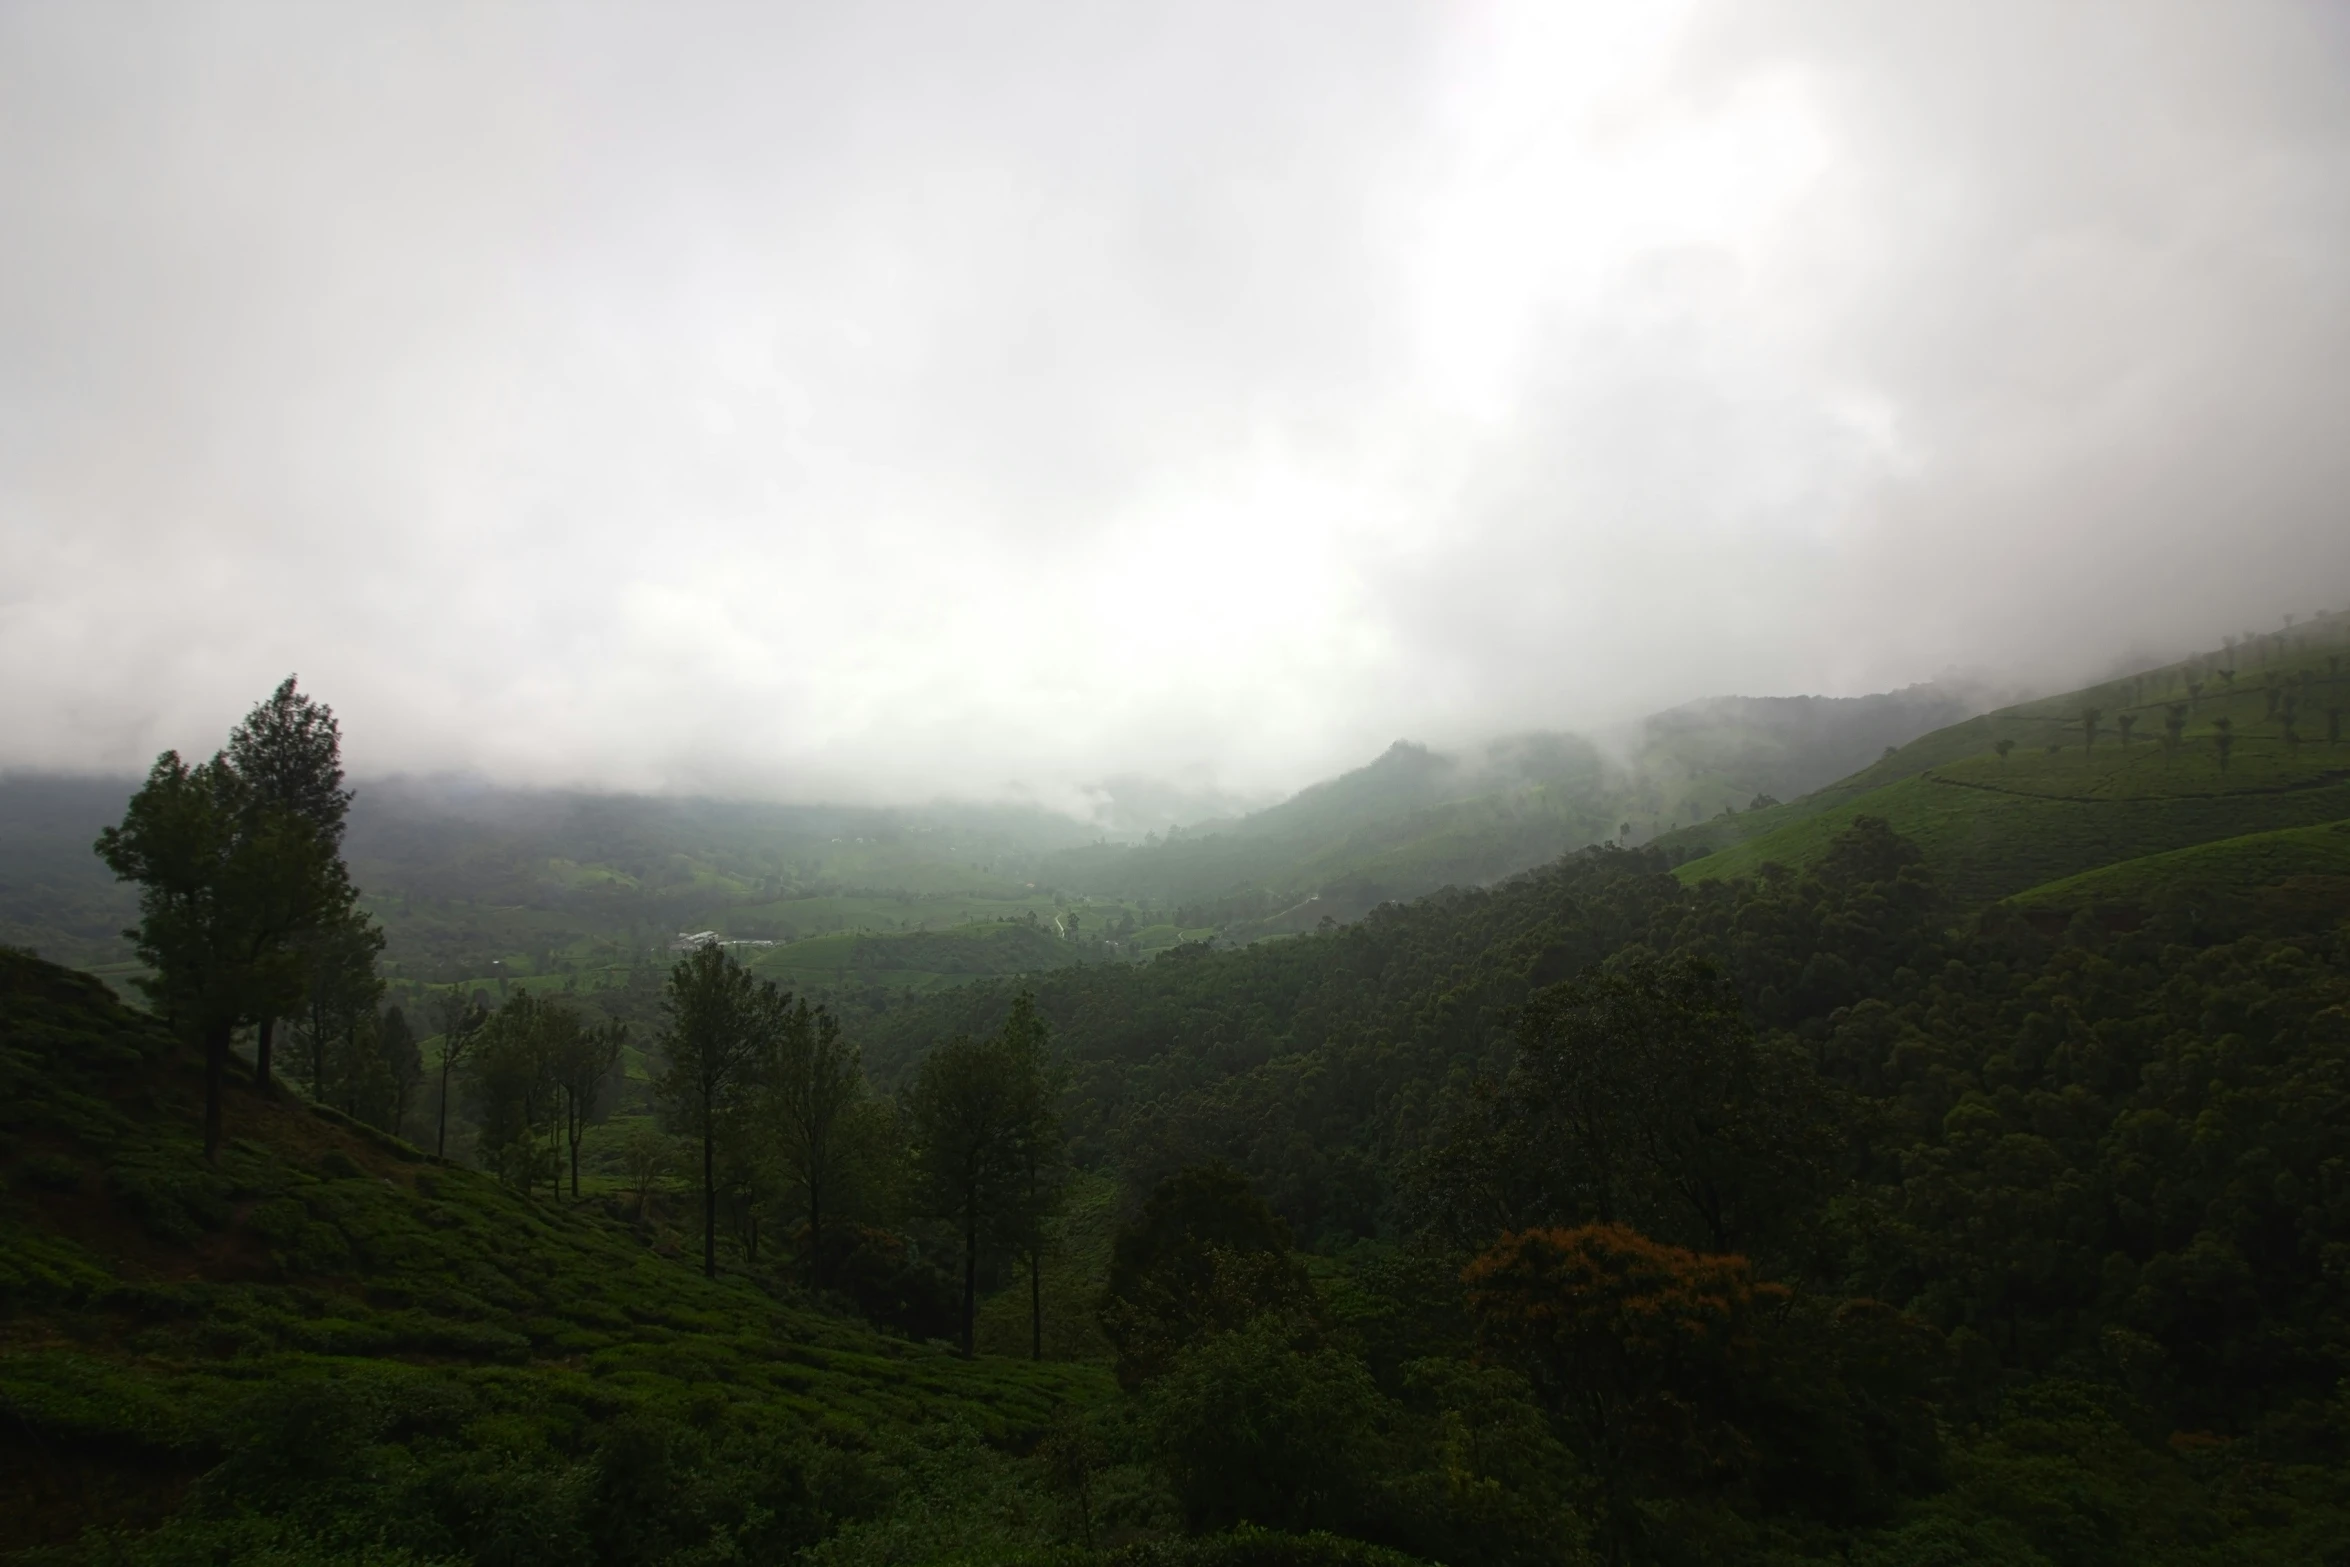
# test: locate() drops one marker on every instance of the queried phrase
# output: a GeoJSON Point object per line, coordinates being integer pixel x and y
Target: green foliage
{"type": "Point", "coordinates": [1254, 1427]}
{"type": "Point", "coordinates": [2301, 875]}
{"type": "Point", "coordinates": [1639, 1095]}
{"type": "Point", "coordinates": [1827, 1213]}
{"type": "Point", "coordinates": [1992, 823]}
{"type": "Point", "coordinates": [982, 1116]}
{"type": "Point", "coordinates": [722, 1032]}
{"type": "Point", "coordinates": [231, 885]}
{"type": "Point", "coordinates": [328, 1349]}
{"type": "Point", "coordinates": [1204, 1256]}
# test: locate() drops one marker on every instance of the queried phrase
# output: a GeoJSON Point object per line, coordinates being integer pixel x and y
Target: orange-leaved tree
{"type": "Point", "coordinates": [1640, 1347]}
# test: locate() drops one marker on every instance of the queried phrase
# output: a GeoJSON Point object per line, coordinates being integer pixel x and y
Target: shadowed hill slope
{"type": "Point", "coordinates": [2298, 876]}
{"type": "Point", "coordinates": [331, 1320]}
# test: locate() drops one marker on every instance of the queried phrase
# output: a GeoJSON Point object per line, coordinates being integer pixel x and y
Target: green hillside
{"type": "Point", "coordinates": [2246, 740]}
{"type": "Point", "coordinates": [472, 883]}
{"type": "Point", "coordinates": [2311, 863]}
{"type": "Point", "coordinates": [916, 960]}
{"type": "Point", "coordinates": [333, 1337]}
{"type": "Point", "coordinates": [1417, 819]}
{"type": "Point", "coordinates": [475, 885]}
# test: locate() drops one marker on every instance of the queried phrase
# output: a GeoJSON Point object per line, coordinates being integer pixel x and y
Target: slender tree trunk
{"type": "Point", "coordinates": [970, 1273]}
{"type": "Point", "coordinates": [571, 1128]}
{"type": "Point", "coordinates": [709, 1196]}
{"type": "Point", "coordinates": [1035, 1303]}
{"type": "Point", "coordinates": [216, 1043]}
{"type": "Point", "coordinates": [261, 1052]}
{"type": "Point", "coordinates": [815, 1235]}
{"type": "Point", "coordinates": [440, 1136]}
{"type": "Point", "coordinates": [318, 1055]}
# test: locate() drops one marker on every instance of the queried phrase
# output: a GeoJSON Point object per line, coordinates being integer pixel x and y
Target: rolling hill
{"type": "Point", "coordinates": [1416, 819]}
{"type": "Point", "coordinates": [478, 885]}
{"type": "Point", "coordinates": [2248, 739]}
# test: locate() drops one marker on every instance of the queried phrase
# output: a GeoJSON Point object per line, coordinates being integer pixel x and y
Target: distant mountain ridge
{"type": "Point", "coordinates": [1795, 744]}
{"type": "Point", "coordinates": [1415, 818]}
{"type": "Point", "coordinates": [472, 879]}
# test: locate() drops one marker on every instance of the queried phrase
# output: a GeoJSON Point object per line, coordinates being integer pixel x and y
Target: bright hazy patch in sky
{"type": "Point", "coordinates": [892, 400]}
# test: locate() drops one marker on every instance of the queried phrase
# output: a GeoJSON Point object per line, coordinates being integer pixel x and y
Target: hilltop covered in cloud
{"type": "Point", "coordinates": [915, 399]}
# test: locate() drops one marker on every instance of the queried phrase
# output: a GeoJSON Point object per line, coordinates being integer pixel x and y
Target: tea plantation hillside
{"type": "Point", "coordinates": [330, 1346]}
{"type": "Point", "coordinates": [2246, 740]}
{"type": "Point", "coordinates": [2261, 878]}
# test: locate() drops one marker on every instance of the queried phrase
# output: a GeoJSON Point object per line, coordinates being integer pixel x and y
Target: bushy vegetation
{"type": "Point", "coordinates": [2021, 1231]}
{"type": "Point", "coordinates": [331, 1335]}
{"type": "Point", "coordinates": [1818, 1209]}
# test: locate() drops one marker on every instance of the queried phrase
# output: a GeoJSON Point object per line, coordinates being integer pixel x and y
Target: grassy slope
{"type": "Point", "coordinates": [2229, 867]}
{"type": "Point", "coordinates": [915, 960]}
{"type": "Point", "coordinates": [145, 1299]}
{"type": "Point", "coordinates": [2056, 807]}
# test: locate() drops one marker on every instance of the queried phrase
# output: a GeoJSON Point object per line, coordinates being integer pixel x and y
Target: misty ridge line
{"type": "Point", "coordinates": [473, 795]}
{"type": "Point", "coordinates": [1386, 367]}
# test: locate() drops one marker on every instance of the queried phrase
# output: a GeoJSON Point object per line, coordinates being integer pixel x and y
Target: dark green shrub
{"type": "Point", "coordinates": [320, 1248]}
{"type": "Point", "coordinates": [170, 1204]}
{"type": "Point", "coordinates": [50, 1173]}
{"type": "Point", "coordinates": [1254, 1427]}
{"type": "Point", "coordinates": [278, 1221]}
{"type": "Point", "coordinates": [1248, 1546]}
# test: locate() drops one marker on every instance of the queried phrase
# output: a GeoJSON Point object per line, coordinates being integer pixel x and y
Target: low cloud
{"type": "Point", "coordinates": [922, 399]}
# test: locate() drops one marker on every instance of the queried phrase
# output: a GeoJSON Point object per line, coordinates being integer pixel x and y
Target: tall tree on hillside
{"type": "Point", "coordinates": [512, 1074]}
{"type": "Point", "coordinates": [971, 1105]}
{"type": "Point", "coordinates": [403, 1065]}
{"type": "Point", "coordinates": [226, 885]}
{"type": "Point", "coordinates": [584, 1063]}
{"type": "Point", "coordinates": [1039, 1152]}
{"type": "Point", "coordinates": [1206, 1255]}
{"type": "Point", "coordinates": [2089, 718]}
{"type": "Point", "coordinates": [813, 1097]}
{"type": "Point", "coordinates": [722, 1029]}
{"type": "Point", "coordinates": [460, 1021]}
{"type": "Point", "coordinates": [289, 752]}
{"type": "Point", "coordinates": [2223, 737]}
{"type": "Point", "coordinates": [335, 955]}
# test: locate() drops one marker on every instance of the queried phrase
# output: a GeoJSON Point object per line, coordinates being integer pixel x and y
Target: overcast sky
{"type": "Point", "coordinates": [887, 400]}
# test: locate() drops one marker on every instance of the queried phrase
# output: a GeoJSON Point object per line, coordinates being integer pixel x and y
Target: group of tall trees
{"type": "Point", "coordinates": [988, 1147]}
{"type": "Point", "coordinates": [247, 914]}
{"type": "Point", "coordinates": [250, 923]}
{"type": "Point", "coordinates": [538, 1074]}
{"type": "Point", "coordinates": [774, 1099]}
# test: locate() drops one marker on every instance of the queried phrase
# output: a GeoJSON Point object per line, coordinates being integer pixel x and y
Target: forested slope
{"type": "Point", "coordinates": [332, 1344]}
{"type": "Point", "coordinates": [2102, 1166]}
